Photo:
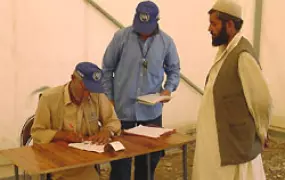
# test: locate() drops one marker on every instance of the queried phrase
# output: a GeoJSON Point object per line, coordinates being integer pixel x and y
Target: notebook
{"type": "Point", "coordinates": [151, 99]}
{"type": "Point", "coordinates": [88, 146]}
{"type": "Point", "coordinates": [152, 132]}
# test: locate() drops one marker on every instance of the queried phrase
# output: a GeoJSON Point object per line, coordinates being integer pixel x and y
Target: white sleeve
{"type": "Point", "coordinates": [256, 93]}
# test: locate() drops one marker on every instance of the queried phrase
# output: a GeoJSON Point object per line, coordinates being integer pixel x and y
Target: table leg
{"type": "Point", "coordinates": [43, 177]}
{"type": "Point", "coordinates": [148, 167]}
{"type": "Point", "coordinates": [16, 169]}
{"type": "Point", "coordinates": [184, 159]}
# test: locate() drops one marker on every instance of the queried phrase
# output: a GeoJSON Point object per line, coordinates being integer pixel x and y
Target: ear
{"type": "Point", "coordinates": [230, 25]}
{"type": "Point", "coordinates": [72, 77]}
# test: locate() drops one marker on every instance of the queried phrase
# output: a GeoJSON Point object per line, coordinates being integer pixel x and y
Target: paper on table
{"type": "Point", "coordinates": [154, 132]}
{"type": "Point", "coordinates": [88, 146]}
{"type": "Point", "coordinates": [117, 145]}
{"type": "Point", "coordinates": [151, 99]}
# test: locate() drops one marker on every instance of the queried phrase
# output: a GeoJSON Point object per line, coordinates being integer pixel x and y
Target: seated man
{"type": "Point", "coordinates": [70, 113]}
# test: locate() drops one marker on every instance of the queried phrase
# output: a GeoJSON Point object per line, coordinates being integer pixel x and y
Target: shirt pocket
{"type": "Point", "coordinates": [92, 120]}
{"type": "Point", "coordinates": [93, 126]}
{"type": "Point", "coordinates": [155, 68]}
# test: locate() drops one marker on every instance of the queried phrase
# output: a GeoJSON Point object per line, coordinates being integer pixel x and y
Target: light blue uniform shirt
{"type": "Point", "coordinates": [125, 77]}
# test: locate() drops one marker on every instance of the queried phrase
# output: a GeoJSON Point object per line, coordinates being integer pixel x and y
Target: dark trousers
{"type": "Point", "coordinates": [121, 169]}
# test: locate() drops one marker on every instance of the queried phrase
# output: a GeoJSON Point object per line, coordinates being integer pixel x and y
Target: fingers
{"type": "Point", "coordinates": [165, 93]}
{"type": "Point", "coordinates": [77, 137]}
{"type": "Point", "coordinates": [63, 143]}
{"type": "Point", "coordinates": [74, 137]}
{"type": "Point", "coordinates": [94, 139]}
{"type": "Point", "coordinates": [101, 138]}
{"type": "Point", "coordinates": [99, 141]}
{"type": "Point", "coordinates": [165, 101]}
{"type": "Point", "coordinates": [80, 137]}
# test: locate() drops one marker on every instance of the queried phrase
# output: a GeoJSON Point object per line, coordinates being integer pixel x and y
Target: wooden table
{"type": "Point", "coordinates": [48, 158]}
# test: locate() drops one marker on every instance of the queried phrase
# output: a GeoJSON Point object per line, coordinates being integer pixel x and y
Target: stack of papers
{"type": "Point", "coordinates": [153, 132]}
{"type": "Point", "coordinates": [88, 146]}
{"type": "Point", "coordinates": [151, 99]}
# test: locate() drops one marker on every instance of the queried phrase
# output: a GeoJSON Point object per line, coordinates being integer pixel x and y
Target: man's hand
{"type": "Point", "coordinates": [265, 143]}
{"type": "Point", "coordinates": [69, 137]}
{"type": "Point", "coordinates": [165, 93]}
{"type": "Point", "coordinates": [101, 138]}
{"type": "Point", "coordinates": [62, 143]}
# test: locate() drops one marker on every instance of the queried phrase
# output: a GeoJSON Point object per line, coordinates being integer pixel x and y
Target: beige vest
{"type": "Point", "coordinates": [238, 140]}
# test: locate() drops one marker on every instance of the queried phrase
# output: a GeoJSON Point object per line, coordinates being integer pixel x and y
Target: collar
{"type": "Point", "coordinates": [223, 49]}
{"type": "Point", "coordinates": [67, 99]}
{"type": "Point", "coordinates": [232, 44]}
{"type": "Point", "coordinates": [67, 95]}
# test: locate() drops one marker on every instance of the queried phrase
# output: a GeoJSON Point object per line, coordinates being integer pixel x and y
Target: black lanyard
{"type": "Point", "coordinates": [144, 55]}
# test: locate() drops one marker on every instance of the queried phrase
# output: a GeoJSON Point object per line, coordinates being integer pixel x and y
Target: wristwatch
{"type": "Point", "coordinates": [112, 133]}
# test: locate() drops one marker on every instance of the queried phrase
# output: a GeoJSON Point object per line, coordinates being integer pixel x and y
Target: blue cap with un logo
{"type": "Point", "coordinates": [146, 17]}
{"type": "Point", "coordinates": [91, 76]}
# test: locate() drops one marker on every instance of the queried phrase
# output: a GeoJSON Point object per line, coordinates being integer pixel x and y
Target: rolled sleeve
{"type": "Point", "coordinates": [172, 68]}
{"type": "Point", "coordinates": [256, 93]}
{"type": "Point", "coordinates": [110, 60]}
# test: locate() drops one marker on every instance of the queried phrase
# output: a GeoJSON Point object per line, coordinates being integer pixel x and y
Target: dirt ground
{"type": "Point", "coordinates": [170, 167]}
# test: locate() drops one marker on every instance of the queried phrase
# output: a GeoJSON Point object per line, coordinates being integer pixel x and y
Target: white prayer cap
{"type": "Point", "coordinates": [229, 7]}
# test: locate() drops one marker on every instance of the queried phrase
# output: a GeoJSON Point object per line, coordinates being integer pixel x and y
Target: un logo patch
{"type": "Point", "coordinates": [97, 76]}
{"type": "Point", "coordinates": [144, 17]}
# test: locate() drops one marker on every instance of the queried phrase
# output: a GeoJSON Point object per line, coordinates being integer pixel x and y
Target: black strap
{"type": "Point", "coordinates": [144, 55]}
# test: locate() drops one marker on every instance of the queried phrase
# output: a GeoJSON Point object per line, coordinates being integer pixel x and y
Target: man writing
{"type": "Point", "coordinates": [70, 113]}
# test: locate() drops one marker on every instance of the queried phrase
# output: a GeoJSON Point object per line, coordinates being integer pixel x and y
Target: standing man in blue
{"type": "Point", "coordinates": [134, 64]}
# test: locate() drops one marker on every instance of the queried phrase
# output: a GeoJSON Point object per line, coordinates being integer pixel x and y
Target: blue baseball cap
{"type": "Point", "coordinates": [91, 76]}
{"type": "Point", "coordinates": [146, 17]}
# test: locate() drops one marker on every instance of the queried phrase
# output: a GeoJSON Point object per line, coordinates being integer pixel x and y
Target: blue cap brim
{"type": "Point", "coordinates": [93, 87]}
{"type": "Point", "coordinates": [144, 28]}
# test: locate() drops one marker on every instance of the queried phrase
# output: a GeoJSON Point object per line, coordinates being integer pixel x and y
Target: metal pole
{"type": "Point", "coordinates": [16, 169]}
{"type": "Point", "coordinates": [148, 166]}
{"type": "Point", "coordinates": [184, 159]}
{"type": "Point", "coordinates": [43, 177]}
{"type": "Point", "coordinates": [106, 14]}
{"type": "Point", "coordinates": [190, 83]}
{"type": "Point", "coordinates": [257, 26]}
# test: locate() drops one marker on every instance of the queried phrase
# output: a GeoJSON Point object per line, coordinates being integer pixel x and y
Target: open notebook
{"type": "Point", "coordinates": [153, 132]}
{"type": "Point", "coordinates": [88, 146]}
{"type": "Point", "coordinates": [151, 99]}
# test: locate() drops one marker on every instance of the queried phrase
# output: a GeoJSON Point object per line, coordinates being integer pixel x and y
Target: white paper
{"type": "Point", "coordinates": [117, 145]}
{"type": "Point", "coordinates": [154, 132]}
{"type": "Point", "coordinates": [88, 146]}
{"type": "Point", "coordinates": [152, 99]}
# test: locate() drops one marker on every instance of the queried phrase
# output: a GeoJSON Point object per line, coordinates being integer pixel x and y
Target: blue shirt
{"type": "Point", "coordinates": [125, 78]}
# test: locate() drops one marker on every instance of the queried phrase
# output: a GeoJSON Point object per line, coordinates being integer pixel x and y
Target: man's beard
{"type": "Point", "coordinates": [222, 38]}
